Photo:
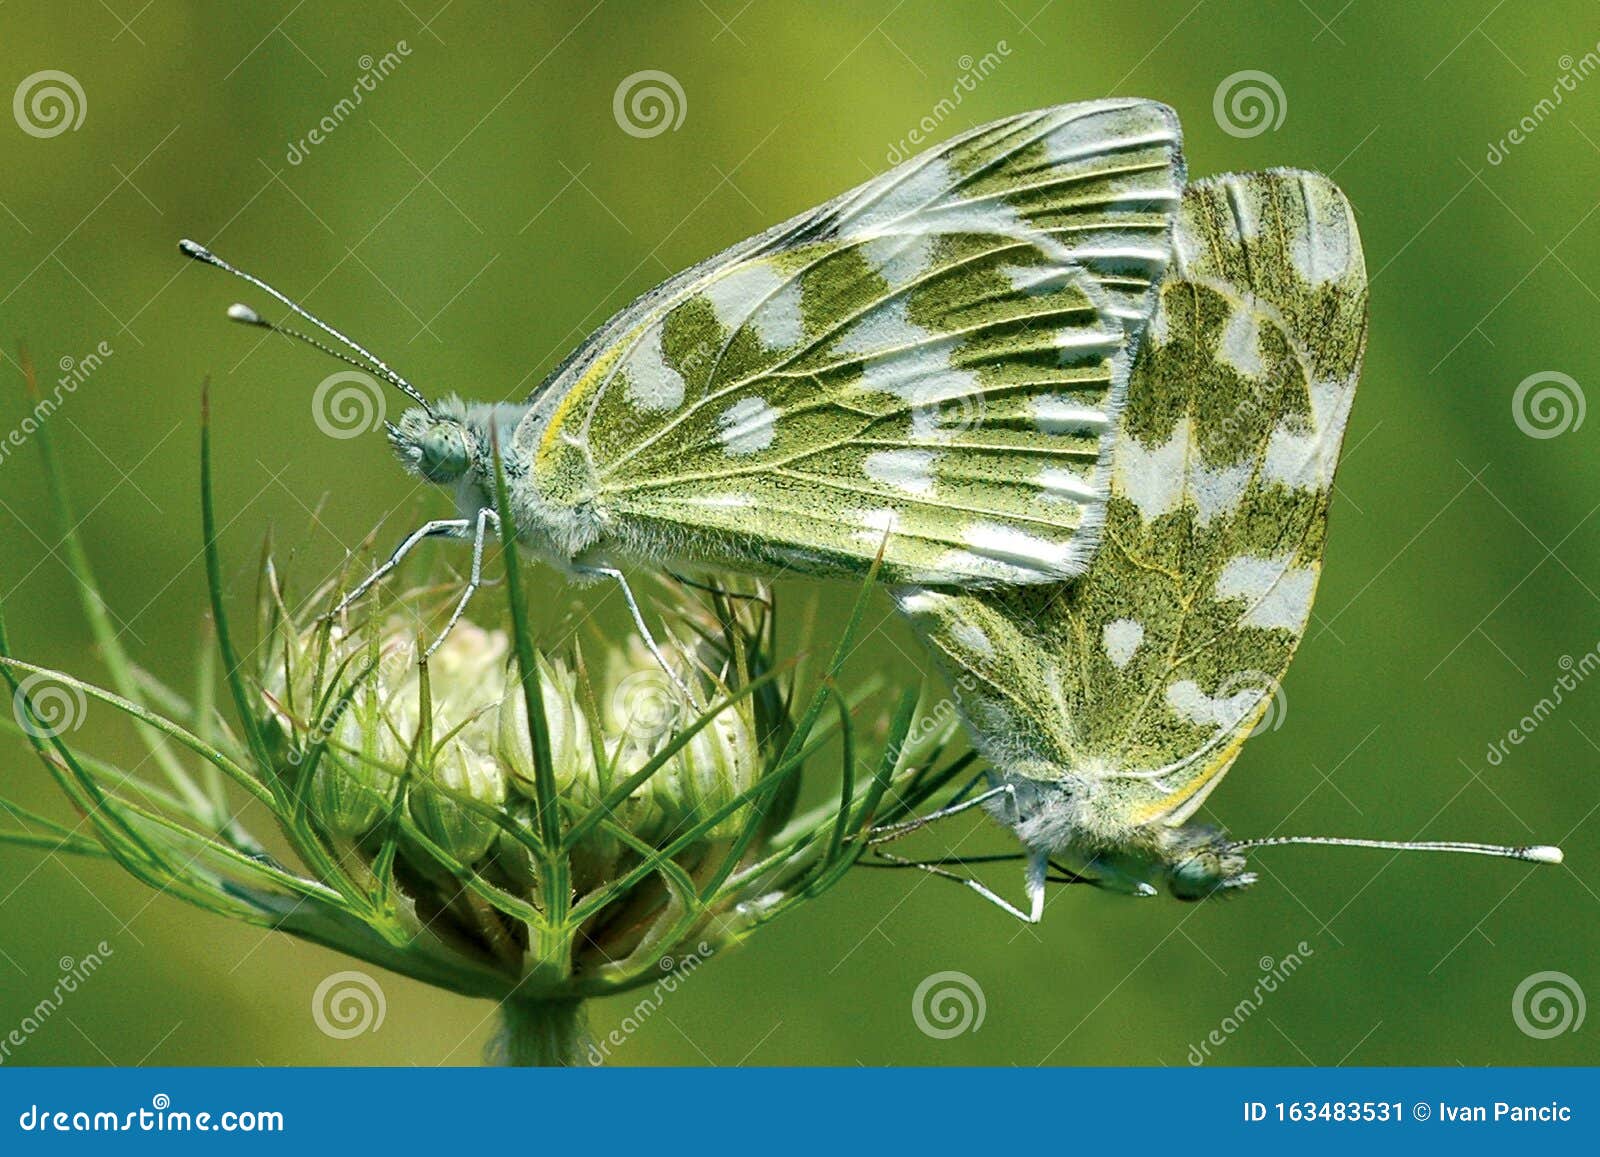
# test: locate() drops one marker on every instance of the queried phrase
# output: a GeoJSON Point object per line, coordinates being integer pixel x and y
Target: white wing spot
{"type": "Point", "coordinates": [1121, 638]}
{"type": "Point", "coordinates": [760, 295]}
{"type": "Point", "coordinates": [727, 501]}
{"type": "Point", "coordinates": [748, 426]}
{"type": "Point", "coordinates": [1305, 459]}
{"type": "Point", "coordinates": [1189, 702]}
{"type": "Point", "coordinates": [1217, 492]}
{"type": "Point", "coordinates": [653, 385]}
{"type": "Point", "coordinates": [1240, 346]}
{"type": "Point", "coordinates": [971, 636]}
{"type": "Point", "coordinates": [907, 470]}
{"type": "Point", "coordinates": [1018, 548]}
{"type": "Point", "coordinates": [1059, 484]}
{"type": "Point", "coordinates": [899, 258]}
{"type": "Point", "coordinates": [1054, 414]}
{"type": "Point", "coordinates": [1278, 593]}
{"type": "Point", "coordinates": [1152, 477]}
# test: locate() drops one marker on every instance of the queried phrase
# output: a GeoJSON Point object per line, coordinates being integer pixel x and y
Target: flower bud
{"type": "Point", "coordinates": [465, 832]}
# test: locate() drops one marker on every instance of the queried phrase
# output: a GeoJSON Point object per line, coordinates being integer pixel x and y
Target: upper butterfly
{"type": "Point", "coordinates": [932, 365]}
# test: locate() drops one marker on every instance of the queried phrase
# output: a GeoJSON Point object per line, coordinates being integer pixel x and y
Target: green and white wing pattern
{"type": "Point", "coordinates": [1142, 679]}
{"type": "Point", "coordinates": [939, 356]}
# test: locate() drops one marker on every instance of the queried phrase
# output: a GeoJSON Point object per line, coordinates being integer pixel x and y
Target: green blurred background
{"type": "Point", "coordinates": [483, 209]}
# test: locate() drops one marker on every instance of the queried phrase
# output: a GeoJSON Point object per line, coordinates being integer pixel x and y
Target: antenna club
{"type": "Point", "coordinates": [194, 249]}
{"type": "Point", "coordinates": [1544, 854]}
{"type": "Point", "coordinates": [243, 314]}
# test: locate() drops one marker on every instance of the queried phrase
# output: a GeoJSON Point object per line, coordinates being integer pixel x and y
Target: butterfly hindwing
{"type": "Point", "coordinates": [1146, 675]}
{"type": "Point", "coordinates": [941, 353]}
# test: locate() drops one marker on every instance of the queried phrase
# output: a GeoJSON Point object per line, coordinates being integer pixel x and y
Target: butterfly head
{"type": "Point", "coordinates": [1200, 861]}
{"type": "Point", "coordinates": [433, 445]}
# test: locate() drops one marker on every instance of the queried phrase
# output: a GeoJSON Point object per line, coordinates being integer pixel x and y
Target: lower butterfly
{"type": "Point", "coordinates": [1112, 706]}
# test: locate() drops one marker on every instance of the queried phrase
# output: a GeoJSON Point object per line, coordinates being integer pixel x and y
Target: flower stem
{"type": "Point", "coordinates": [549, 1033]}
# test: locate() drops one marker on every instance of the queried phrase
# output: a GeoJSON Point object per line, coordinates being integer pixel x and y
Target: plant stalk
{"type": "Point", "coordinates": [542, 1033]}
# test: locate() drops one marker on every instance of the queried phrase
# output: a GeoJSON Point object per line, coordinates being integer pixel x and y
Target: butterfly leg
{"type": "Point", "coordinates": [486, 516]}
{"type": "Point", "coordinates": [438, 528]}
{"type": "Point", "coordinates": [889, 832]}
{"type": "Point", "coordinates": [1038, 864]}
{"type": "Point", "coordinates": [644, 628]}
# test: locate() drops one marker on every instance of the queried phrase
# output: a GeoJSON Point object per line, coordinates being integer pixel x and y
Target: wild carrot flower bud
{"type": "Point", "coordinates": [433, 825]}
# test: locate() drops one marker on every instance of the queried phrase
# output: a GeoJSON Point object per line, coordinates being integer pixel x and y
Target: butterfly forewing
{"type": "Point", "coordinates": [939, 357]}
{"type": "Point", "coordinates": [1149, 672]}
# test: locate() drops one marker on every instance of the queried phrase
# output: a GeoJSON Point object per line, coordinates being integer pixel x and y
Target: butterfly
{"type": "Point", "coordinates": [1112, 705]}
{"type": "Point", "coordinates": [929, 368]}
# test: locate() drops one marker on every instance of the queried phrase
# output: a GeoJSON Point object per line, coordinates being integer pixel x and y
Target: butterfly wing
{"type": "Point", "coordinates": [939, 356]}
{"type": "Point", "coordinates": [1147, 674]}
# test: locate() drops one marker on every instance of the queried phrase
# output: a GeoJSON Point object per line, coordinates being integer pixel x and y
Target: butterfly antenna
{"type": "Point", "coordinates": [248, 316]}
{"type": "Point", "coordinates": [1537, 854]}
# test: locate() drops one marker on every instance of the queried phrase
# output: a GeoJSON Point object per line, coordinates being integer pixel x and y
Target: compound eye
{"type": "Point", "coordinates": [444, 454]}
